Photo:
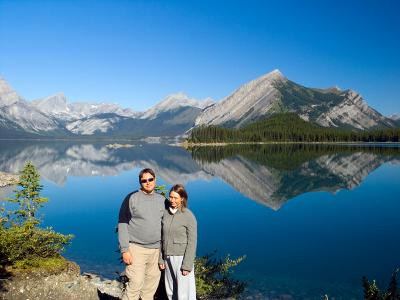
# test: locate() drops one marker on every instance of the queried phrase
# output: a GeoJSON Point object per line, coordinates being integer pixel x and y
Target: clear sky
{"type": "Point", "coordinates": [137, 52]}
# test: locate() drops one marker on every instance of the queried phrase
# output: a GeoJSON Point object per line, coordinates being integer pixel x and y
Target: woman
{"type": "Point", "coordinates": [179, 246]}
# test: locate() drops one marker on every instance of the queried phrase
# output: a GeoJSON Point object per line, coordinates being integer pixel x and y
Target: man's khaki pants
{"type": "Point", "coordinates": [143, 273]}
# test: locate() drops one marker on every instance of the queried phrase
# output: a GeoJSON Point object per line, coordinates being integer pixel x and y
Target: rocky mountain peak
{"type": "Point", "coordinates": [351, 94]}
{"type": "Point", "coordinates": [245, 104]}
{"type": "Point", "coordinates": [333, 89]}
{"type": "Point", "coordinates": [273, 75]}
{"type": "Point", "coordinates": [54, 104]}
{"type": "Point", "coordinates": [7, 94]}
{"type": "Point", "coordinates": [174, 101]}
{"type": "Point", "coordinates": [353, 112]}
{"type": "Point", "coordinates": [395, 117]}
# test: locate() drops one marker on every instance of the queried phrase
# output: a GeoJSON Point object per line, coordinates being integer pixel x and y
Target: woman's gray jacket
{"type": "Point", "coordinates": [179, 236]}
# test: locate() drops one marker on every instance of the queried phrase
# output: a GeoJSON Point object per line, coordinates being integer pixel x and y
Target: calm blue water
{"type": "Point", "coordinates": [312, 229]}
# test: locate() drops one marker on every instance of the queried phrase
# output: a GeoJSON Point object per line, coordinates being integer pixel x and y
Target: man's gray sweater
{"type": "Point", "coordinates": [140, 220]}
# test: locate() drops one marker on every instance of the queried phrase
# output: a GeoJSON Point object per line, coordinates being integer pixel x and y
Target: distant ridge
{"type": "Point", "coordinates": [53, 116]}
{"type": "Point", "coordinates": [175, 101]}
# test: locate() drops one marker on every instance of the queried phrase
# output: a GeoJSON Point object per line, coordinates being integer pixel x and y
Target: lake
{"type": "Point", "coordinates": [311, 220]}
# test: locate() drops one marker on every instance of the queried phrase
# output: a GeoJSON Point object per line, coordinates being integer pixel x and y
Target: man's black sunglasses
{"type": "Point", "coordinates": [146, 180]}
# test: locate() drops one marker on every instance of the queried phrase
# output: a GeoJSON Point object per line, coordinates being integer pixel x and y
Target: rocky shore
{"type": "Point", "coordinates": [69, 284]}
{"type": "Point", "coordinates": [8, 179]}
{"type": "Point", "coordinates": [117, 146]}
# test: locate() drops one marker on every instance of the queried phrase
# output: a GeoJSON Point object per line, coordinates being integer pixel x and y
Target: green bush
{"type": "Point", "coordinates": [22, 242]}
{"type": "Point", "coordinates": [22, 245]}
{"type": "Point", "coordinates": [213, 277]}
{"type": "Point", "coordinates": [372, 292]}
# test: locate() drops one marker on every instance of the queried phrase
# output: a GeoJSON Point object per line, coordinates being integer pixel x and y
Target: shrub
{"type": "Point", "coordinates": [372, 292]}
{"type": "Point", "coordinates": [23, 245]}
{"type": "Point", "coordinates": [213, 277]}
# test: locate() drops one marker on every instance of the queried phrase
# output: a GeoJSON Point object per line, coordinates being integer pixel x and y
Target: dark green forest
{"type": "Point", "coordinates": [289, 127]}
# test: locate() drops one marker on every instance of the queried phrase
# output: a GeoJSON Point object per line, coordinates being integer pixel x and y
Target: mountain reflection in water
{"type": "Point", "coordinates": [273, 174]}
{"type": "Point", "coordinates": [268, 174]}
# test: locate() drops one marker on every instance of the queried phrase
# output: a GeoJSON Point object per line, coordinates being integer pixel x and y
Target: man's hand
{"type": "Point", "coordinates": [127, 258]}
{"type": "Point", "coordinates": [161, 266]}
{"type": "Point", "coordinates": [184, 272]}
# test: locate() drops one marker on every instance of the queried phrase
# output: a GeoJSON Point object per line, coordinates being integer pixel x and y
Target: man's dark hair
{"type": "Point", "coordinates": [147, 170]}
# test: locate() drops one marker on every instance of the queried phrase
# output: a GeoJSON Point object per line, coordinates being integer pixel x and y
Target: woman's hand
{"type": "Point", "coordinates": [127, 258]}
{"type": "Point", "coordinates": [185, 273]}
{"type": "Point", "coordinates": [161, 266]}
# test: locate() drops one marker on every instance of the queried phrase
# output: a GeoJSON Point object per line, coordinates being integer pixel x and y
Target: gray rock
{"type": "Point", "coordinates": [66, 285]}
{"type": "Point", "coordinates": [8, 179]}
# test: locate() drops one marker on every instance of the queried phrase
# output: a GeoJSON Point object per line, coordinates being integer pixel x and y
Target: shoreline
{"type": "Point", "coordinates": [219, 144]}
{"type": "Point", "coordinates": [7, 179]}
{"type": "Point", "coordinates": [184, 143]}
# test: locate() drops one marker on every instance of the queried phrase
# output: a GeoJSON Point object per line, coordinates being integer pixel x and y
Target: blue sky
{"type": "Point", "coordinates": [137, 52]}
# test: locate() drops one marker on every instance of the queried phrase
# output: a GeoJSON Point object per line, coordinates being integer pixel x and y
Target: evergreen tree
{"type": "Point", "coordinates": [27, 197]}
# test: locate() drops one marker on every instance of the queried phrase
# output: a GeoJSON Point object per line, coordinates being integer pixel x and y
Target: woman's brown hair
{"type": "Point", "coordinates": [180, 190]}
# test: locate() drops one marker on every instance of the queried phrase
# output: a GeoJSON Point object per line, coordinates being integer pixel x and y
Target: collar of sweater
{"type": "Point", "coordinates": [175, 211]}
{"type": "Point", "coordinates": [147, 194]}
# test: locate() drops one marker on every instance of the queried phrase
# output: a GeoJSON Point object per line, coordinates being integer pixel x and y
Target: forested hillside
{"type": "Point", "coordinates": [289, 127]}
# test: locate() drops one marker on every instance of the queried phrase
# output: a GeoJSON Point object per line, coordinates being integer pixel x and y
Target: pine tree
{"type": "Point", "coordinates": [28, 198]}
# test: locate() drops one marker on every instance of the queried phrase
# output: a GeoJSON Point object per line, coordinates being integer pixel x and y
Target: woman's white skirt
{"type": "Point", "coordinates": [177, 286]}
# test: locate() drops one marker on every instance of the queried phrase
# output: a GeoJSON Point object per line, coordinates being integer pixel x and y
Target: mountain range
{"type": "Point", "coordinates": [269, 94]}
{"type": "Point", "coordinates": [53, 116]}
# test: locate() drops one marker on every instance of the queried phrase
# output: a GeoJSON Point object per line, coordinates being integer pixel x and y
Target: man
{"type": "Point", "coordinates": [139, 235]}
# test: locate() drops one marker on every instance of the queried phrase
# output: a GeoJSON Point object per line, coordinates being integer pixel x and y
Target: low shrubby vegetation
{"type": "Point", "coordinates": [23, 243]}
{"type": "Point", "coordinates": [214, 277]}
{"type": "Point", "coordinates": [372, 292]}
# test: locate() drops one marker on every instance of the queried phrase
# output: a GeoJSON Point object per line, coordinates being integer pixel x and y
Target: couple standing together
{"type": "Point", "coordinates": [154, 235]}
